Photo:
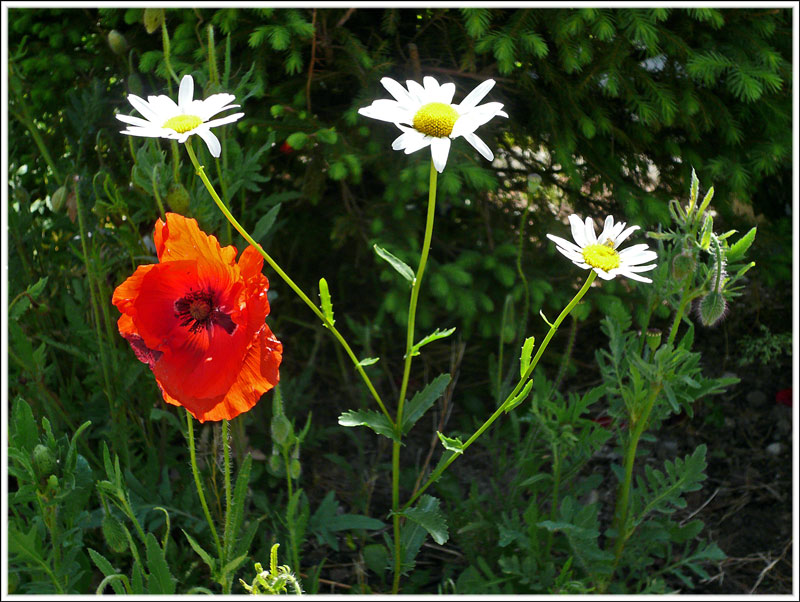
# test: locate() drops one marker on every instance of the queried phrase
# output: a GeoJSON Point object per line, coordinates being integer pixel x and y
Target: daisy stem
{"type": "Point", "coordinates": [412, 312]}
{"type": "Point", "coordinates": [500, 410]}
{"type": "Point", "coordinates": [201, 495]}
{"type": "Point", "coordinates": [328, 324]}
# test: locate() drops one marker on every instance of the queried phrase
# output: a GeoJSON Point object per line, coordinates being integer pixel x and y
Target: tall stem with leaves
{"type": "Point", "coordinates": [398, 426]}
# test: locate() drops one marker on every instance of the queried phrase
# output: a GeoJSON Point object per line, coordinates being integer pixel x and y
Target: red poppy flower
{"type": "Point", "coordinates": [196, 319]}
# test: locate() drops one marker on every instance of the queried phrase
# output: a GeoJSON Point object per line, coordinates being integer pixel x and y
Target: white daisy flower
{"type": "Point", "coordinates": [165, 119]}
{"type": "Point", "coordinates": [427, 116]}
{"type": "Point", "coordinates": [599, 253]}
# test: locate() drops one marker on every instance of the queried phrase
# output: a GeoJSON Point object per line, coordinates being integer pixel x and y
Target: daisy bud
{"type": "Point", "coordinates": [44, 464]}
{"type": "Point", "coordinates": [117, 42]}
{"type": "Point", "coordinates": [711, 308]}
{"type": "Point", "coordinates": [683, 265]}
{"type": "Point", "coordinates": [153, 18]}
{"type": "Point", "coordinates": [653, 337]}
{"type": "Point", "coordinates": [114, 534]}
{"type": "Point", "coordinates": [58, 199]}
{"type": "Point", "coordinates": [178, 199]}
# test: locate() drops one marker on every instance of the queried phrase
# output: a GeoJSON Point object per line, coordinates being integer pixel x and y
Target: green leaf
{"type": "Point", "coordinates": [105, 567]}
{"type": "Point", "coordinates": [368, 361]}
{"type": "Point", "coordinates": [347, 522]}
{"type": "Point", "coordinates": [428, 516]}
{"type": "Point", "coordinates": [25, 433]}
{"type": "Point", "coordinates": [523, 395]}
{"type": "Point", "coordinates": [200, 551]}
{"type": "Point", "coordinates": [325, 297]}
{"type": "Point", "coordinates": [369, 418]}
{"type": "Point", "coordinates": [454, 445]}
{"type": "Point", "coordinates": [434, 336]}
{"type": "Point", "coordinates": [693, 192]}
{"type": "Point", "coordinates": [160, 580]}
{"type": "Point", "coordinates": [737, 251]}
{"type": "Point", "coordinates": [264, 225]}
{"type": "Point", "coordinates": [398, 264]}
{"type": "Point", "coordinates": [525, 358]}
{"type": "Point", "coordinates": [423, 400]}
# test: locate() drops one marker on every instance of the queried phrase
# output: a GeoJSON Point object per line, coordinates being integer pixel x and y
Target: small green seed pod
{"type": "Point", "coordinates": [683, 265]}
{"type": "Point", "coordinates": [653, 338]}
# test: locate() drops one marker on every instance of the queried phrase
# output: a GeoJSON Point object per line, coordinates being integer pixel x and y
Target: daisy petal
{"type": "Point", "coordinates": [591, 237]}
{"type": "Point", "coordinates": [440, 148]}
{"type": "Point", "coordinates": [446, 93]}
{"type": "Point", "coordinates": [396, 89]}
{"type": "Point", "coordinates": [387, 110]}
{"type": "Point", "coordinates": [578, 230]}
{"type": "Point", "coordinates": [133, 120]}
{"type": "Point", "coordinates": [479, 145]}
{"type": "Point", "coordinates": [185, 92]}
{"type": "Point", "coordinates": [561, 242]}
{"type": "Point", "coordinates": [416, 91]}
{"type": "Point", "coordinates": [634, 276]}
{"type": "Point", "coordinates": [224, 120]}
{"type": "Point", "coordinates": [477, 95]}
{"type": "Point", "coordinates": [210, 139]}
{"type": "Point", "coordinates": [141, 105]}
{"type": "Point", "coordinates": [411, 141]}
{"type": "Point", "coordinates": [625, 234]}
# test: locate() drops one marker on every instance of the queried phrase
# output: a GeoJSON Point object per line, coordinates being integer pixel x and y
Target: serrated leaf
{"type": "Point", "coordinates": [368, 361]}
{"type": "Point", "coordinates": [325, 298]}
{"type": "Point", "coordinates": [525, 357]}
{"type": "Point", "coordinates": [105, 567]}
{"type": "Point", "coordinates": [264, 225]}
{"type": "Point", "coordinates": [453, 444]}
{"type": "Point", "coordinates": [371, 419]}
{"type": "Point", "coordinates": [398, 264]}
{"type": "Point", "coordinates": [160, 580]}
{"type": "Point", "coordinates": [428, 516]}
{"type": "Point", "coordinates": [737, 251]}
{"type": "Point", "coordinates": [434, 336]}
{"type": "Point", "coordinates": [200, 551]}
{"type": "Point", "coordinates": [423, 400]}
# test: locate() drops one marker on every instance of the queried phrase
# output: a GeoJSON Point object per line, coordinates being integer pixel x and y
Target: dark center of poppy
{"type": "Point", "coordinates": [198, 309]}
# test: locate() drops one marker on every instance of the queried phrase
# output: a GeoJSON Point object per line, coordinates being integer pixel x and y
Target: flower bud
{"type": "Point", "coordinates": [683, 265]}
{"type": "Point", "coordinates": [44, 464]}
{"type": "Point", "coordinates": [534, 182]}
{"type": "Point", "coordinates": [114, 533]}
{"type": "Point", "coordinates": [117, 42]}
{"type": "Point", "coordinates": [711, 308]}
{"type": "Point", "coordinates": [52, 483]}
{"type": "Point", "coordinates": [59, 199]}
{"type": "Point", "coordinates": [294, 469]}
{"type": "Point", "coordinates": [281, 428]}
{"type": "Point", "coordinates": [275, 463]}
{"type": "Point", "coordinates": [153, 18]}
{"type": "Point", "coordinates": [178, 199]}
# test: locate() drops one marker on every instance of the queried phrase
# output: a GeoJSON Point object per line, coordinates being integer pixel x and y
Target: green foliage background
{"type": "Point", "coordinates": [610, 109]}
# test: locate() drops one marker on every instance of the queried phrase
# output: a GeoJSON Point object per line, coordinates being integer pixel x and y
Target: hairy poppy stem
{"type": "Point", "coordinates": [500, 410]}
{"type": "Point", "coordinates": [412, 314]}
{"type": "Point", "coordinates": [227, 535]}
{"type": "Point", "coordinates": [298, 291]}
{"type": "Point", "coordinates": [198, 484]}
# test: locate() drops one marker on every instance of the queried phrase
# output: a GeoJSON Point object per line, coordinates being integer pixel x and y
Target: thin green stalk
{"type": "Point", "coordinates": [285, 277]}
{"type": "Point", "coordinates": [155, 193]}
{"type": "Point", "coordinates": [198, 484]}
{"type": "Point", "coordinates": [623, 501]}
{"type": "Point", "coordinates": [412, 313]}
{"type": "Point", "coordinates": [685, 299]}
{"type": "Point", "coordinates": [554, 503]}
{"type": "Point", "coordinates": [526, 375]}
{"type": "Point", "coordinates": [289, 517]}
{"type": "Point", "coordinates": [226, 452]}
{"type": "Point", "coordinates": [95, 307]}
{"type": "Point", "coordinates": [167, 63]}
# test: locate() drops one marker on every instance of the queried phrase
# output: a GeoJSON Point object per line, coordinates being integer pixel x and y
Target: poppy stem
{"type": "Point", "coordinates": [226, 452]}
{"type": "Point", "coordinates": [412, 314]}
{"type": "Point", "coordinates": [500, 410]}
{"type": "Point", "coordinates": [198, 484]}
{"type": "Point", "coordinates": [298, 291]}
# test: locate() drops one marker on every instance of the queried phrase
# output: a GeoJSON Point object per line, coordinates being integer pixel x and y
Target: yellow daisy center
{"type": "Point", "coordinates": [182, 123]}
{"type": "Point", "coordinates": [602, 256]}
{"type": "Point", "coordinates": [435, 119]}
